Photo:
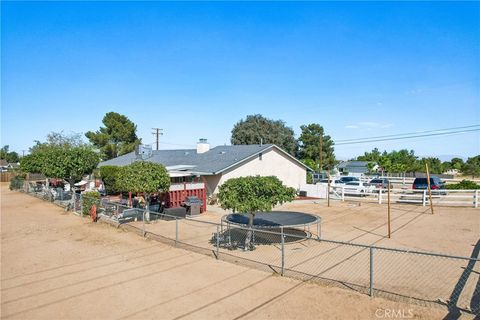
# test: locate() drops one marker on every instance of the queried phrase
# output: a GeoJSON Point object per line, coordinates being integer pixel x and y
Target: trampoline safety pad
{"type": "Point", "coordinates": [274, 219]}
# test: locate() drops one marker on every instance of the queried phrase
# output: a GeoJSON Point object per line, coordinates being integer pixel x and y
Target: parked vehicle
{"type": "Point", "coordinates": [332, 182]}
{"type": "Point", "coordinates": [357, 188]}
{"type": "Point", "coordinates": [345, 180]}
{"type": "Point", "coordinates": [436, 185]}
{"type": "Point", "coordinates": [380, 183]}
{"type": "Point", "coordinates": [422, 183]}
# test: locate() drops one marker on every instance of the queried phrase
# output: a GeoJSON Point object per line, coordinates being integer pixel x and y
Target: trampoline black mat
{"type": "Point", "coordinates": [274, 219]}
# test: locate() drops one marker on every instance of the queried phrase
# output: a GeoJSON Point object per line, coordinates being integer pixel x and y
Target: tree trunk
{"type": "Point", "coordinates": [147, 206]}
{"type": "Point", "coordinates": [72, 191]}
{"type": "Point", "coordinates": [248, 238]}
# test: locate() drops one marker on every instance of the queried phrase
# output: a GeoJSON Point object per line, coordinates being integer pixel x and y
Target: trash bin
{"type": "Point", "coordinates": [193, 205]}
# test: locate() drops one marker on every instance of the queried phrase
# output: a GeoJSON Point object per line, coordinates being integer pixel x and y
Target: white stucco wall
{"type": "Point", "coordinates": [273, 163]}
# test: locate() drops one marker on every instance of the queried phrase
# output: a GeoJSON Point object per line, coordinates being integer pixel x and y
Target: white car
{"type": "Point", "coordinates": [358, 188]}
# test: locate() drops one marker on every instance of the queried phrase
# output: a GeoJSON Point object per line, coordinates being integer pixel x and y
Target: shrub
{"type": "Point", "coordinates": [109, 175]}
{"type": "Point", "coordinates": [16, 183]}
{"type": "Point", "coordinates": [463, 185]}
{"type": "Point", "coordinates": [89, 199]}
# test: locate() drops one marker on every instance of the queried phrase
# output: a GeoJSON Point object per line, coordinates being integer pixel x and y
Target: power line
{"type": "Point", "coordinates": [407, 134]}
{"type": "Point", "coordinates": [409, 137]}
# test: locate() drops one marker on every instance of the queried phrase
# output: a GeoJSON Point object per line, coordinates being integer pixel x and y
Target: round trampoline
{"type": "Point", "coordinates": [269, 226]}
{"type": "Point", "coordinates": [274, 219]}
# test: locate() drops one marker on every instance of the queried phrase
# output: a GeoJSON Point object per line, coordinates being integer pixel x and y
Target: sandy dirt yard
{"type": "Point", "coordinates": [58, 266]}
{"type": "Point", "coordinates": [396, 275]}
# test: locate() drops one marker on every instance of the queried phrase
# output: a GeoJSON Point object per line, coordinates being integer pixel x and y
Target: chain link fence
{"type": "Point", "coordinates": [402, 275]}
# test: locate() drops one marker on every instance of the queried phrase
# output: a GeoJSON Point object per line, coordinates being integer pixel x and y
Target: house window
{"type": "Point", "coordinates": [260, 156]}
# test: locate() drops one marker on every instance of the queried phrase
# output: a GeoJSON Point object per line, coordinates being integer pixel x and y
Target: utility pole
{"type": "Point", "coordinates": [157, 133]}
{"type": "Point", "coordinates": [429, 187]}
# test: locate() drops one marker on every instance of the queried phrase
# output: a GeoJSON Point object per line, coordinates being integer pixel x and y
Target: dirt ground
{"type": "Point", "coordinates": [450, 230]}
{"type": "Point", "coordinates": [58, 266]}
{"type": "Point", "coordinates": [396, 275]}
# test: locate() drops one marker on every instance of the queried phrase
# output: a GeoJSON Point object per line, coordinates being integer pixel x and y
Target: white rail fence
{"type": "Point", "coordinates": [443, 197]}
{"type": "Point", "coordinates": [409, 180]}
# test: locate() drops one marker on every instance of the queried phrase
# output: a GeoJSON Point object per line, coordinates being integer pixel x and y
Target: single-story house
{"type": "Point", "coordinates": [213, 166]}
{"type": "Point", "coordinates": [6, 166]}
{"type": "Point", "coordinates": [356, 167]}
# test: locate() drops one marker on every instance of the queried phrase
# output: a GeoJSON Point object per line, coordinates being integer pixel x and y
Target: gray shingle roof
{"type": "Point", "coordinates": [353, 164]}
{"type": "Point", "coordinates": [213, 161]}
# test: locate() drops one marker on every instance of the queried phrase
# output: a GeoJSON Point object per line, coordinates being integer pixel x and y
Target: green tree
{"type": "Point", "coordinates": [249, 195]}
{"type": "Point", "coordinates": [434, 165]}
{"type": "Point", "coordinates": [110, 178]}
{"type": "Point", "coordinates": [59, 139]}
{"type": "Point", "coordinates": [394, 161]}
{"type": "Point", "coordinates": [374, 156]}
{"type": "Point", "coordinates": [69, 163]}
{"type": "Point", "coordinates": [457, 163]}
{"type": "Point", "coordinates": [257, 129]}
{"type": "Point", "coordinates": [62, 157]}
{"type": "Point", "coordinates": [311, 164]}
{"type": "Point", "coordinates": [472, 167]}
{"type": "Point", "coordinates": [403, 160]}
{"type": "Point", "coordinates": [9, 156]}
{"type": "Point", "coordinates": [117, 137]}
{"type": "Point", "coordinates": [144, 177]}
{"type": "Point", "coordinates": [312, 137]}
{"type": "Point", "coordinates": [446, 165]}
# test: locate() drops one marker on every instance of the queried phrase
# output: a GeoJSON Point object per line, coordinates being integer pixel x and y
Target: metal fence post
{"type": "Point", "coordinates": [81, 206]}
{"type": "Point", "coordinates": [371, 272]}
{"type": "Point", "coordinates": [218, 240]}
{"type": "Point", "coordinates": [380, 196]}
{"type": "Point", "coordinates": [343, 194]}
{"type": "Point", "coordinates": [283, 250]}
{"type": "Point", "coordinates": [176, 231]}
{"type": "Point", "coordinates": [475, 199]}
{"type": "Point", "coordinates": [424, 198]}
{"type": "Point", "coordinates": [143, 222]}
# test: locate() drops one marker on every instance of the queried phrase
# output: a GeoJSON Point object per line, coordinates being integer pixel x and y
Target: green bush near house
{"type": "Point", "coordinates": [463, 185]}
{"type": "Point", "coordinates": [109, 175]}
{"type": "Point", "coordinates": [90, 198]}
{"type": "Point", "coordinates": [16, 183]}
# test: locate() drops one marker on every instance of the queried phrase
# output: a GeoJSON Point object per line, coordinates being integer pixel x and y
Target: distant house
{"type": "Point", "coordinates": [213, 166]}
{"type": "Point", "coordinates": [356, 167]}
{"type": "Point", "coordinates": [5, 166]}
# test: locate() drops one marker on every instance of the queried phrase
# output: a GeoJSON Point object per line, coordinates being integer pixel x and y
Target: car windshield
{"type": "Point", "coordinates": [376, 181]}
{"type": "Point", "coordinates": [353, 184]}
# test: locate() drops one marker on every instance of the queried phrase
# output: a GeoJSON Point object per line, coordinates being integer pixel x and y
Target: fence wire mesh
{"type": "Point", "coordinates": [397, 274]}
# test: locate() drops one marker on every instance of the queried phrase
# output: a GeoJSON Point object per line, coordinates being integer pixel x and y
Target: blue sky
{"type": "Point", "coordinates": [359, 69]}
